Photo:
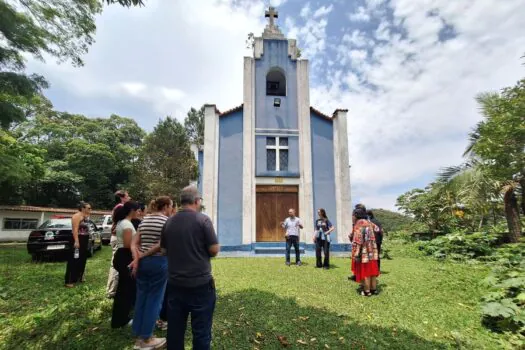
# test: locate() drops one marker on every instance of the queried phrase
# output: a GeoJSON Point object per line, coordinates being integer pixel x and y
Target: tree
{"type": "Point", "coordinates": [495, 153]}
{"type": "Point", "coordinates": [84, 158]}
{"type": "Point", "coordinates": [392, 221]}
{"type": "Point", "coordinates": [194, 125]}
{"type": "Point", "coordinates": [165, 164]}
{"type": "Point", "coordinates": [61, 29]}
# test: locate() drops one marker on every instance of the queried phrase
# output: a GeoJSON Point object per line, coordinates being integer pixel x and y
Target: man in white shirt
{"type": "Point", "coordinates": [292, 225]}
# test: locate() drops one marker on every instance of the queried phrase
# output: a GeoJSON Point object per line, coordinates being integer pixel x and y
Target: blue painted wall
{"type": "Point", "coordinates": [229, 196]}
{"type": "Point", "coordinates": [266, 115]}
{"type": "Point", "coordinates": [323, 173]}
{"type": "Point", "coordinates": [293, 158]}
{"type": "Point", "coordinates": [200, 160]}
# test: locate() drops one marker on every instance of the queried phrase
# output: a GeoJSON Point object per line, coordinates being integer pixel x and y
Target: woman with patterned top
{"type": "Point", "coordinates": [151, 271]}
{"type": "Point", "coordinates": [76, 265]}
{"type": "Point", "coordinates": [364, 252]}
{"type": "Point", "coordinates": [124, 298]}
{"type": "Point", "coordinates": [323, 229]}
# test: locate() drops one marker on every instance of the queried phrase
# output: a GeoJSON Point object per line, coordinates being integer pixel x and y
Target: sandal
{"type": "Point", "coordinates": [374, 291]}
{"type": "Point", "coordinates": [365, 294]}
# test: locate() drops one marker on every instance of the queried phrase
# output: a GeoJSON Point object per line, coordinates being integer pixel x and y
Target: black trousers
{"type": "Point", "coordinates": [293, 240]}
{"type": "Point", "coordinates": [379, 243]}
{"type": "Point", "coordinates": [76, 267]}
{"type": "Point", "coordinates": [164, 310]}
{"type": "Point", "coordinates": [322, 246]}
{"type": "Point", "coordinates": [126, 289]}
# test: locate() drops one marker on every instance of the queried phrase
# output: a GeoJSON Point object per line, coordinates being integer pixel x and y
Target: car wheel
{"type": "Point", "coordinates": [91, 250]}
{"type": "Point", "coordinates": [36, 257]}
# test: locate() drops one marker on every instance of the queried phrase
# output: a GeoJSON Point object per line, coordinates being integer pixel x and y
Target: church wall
{"type": "Point", "coordinates": [293, 158]}
{"type": "Point", "coordinates": [323, 174]}
{"type": "Point", "coordinates": [200, 161]}
{"type": "Point", "coordinates": [266, 115]}
{"type": "Point", "coordinates": [229, 207]}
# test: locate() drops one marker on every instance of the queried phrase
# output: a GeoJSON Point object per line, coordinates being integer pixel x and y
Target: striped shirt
{"type": "Point", "coordinates": [150, 229]}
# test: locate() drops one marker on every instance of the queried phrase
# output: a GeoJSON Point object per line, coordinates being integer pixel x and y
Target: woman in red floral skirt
{"type": "Point", "coordinates": [364, 252]}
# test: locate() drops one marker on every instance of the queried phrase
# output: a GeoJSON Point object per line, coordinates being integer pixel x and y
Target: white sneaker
{"type": "Point", "coordinates": [153, 343]}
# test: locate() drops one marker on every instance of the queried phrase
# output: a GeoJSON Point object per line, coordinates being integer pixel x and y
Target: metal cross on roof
{"type": "Point", "coordinates": [271, 13]}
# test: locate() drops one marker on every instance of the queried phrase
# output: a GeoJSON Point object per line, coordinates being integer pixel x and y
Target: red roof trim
{"type": "Point", "coordinates": [234, 109]}
{"type": "Point", "coordinates": [48, 210]}
{"type": "Point", "coordinates": [321, 114]}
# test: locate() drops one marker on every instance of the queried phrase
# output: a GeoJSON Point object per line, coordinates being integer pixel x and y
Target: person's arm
{"type": "Point", "coordinates": [300, 224]}
{"type": "Point", "coordinates": [210, 238]}
{"type": "Point", "coordinates": [162, 243]}
{"type": "Point", "coordinates": [154, 249]}
{"type": "Point", "coordinates": [127, 237]}
{"type": "Point", "coordinates": [331, 227]}
{"type": "Point", "coordinates": [75, 223]}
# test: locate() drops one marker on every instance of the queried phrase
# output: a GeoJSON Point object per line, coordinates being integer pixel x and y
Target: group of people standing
{"type": "Point", "coordinates": [366, 238]}
{"type": "Point", "coordinates": [160, 270]}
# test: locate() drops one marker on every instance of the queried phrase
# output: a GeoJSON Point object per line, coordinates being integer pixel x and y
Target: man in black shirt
{"type": "Point", "coordinates": [189, 241]}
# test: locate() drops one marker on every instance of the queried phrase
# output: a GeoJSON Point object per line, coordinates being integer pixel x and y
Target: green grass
{"type": "Point", "coordinates": [424, 304]}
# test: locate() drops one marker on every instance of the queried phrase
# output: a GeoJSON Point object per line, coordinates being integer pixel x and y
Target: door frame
{"type": "Point", "coordinates": [274, 188]}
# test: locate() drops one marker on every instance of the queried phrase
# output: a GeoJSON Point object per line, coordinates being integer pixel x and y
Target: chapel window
{"type": "Point", "coordinates": [277, 153]}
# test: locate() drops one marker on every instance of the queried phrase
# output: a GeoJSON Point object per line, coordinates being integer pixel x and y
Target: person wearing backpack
{"type": "Point", "coordinates": [364, 252]}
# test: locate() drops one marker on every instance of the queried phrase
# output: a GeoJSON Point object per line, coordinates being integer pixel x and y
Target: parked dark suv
{"type": "Point", "coordinates": [55, 236]}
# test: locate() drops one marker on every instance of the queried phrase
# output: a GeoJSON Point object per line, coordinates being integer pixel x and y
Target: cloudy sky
{"type": "Point", "coordinates": [407, 70]}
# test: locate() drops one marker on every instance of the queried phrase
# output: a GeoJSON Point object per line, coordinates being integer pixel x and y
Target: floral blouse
{"type": "Point", "coordinates": [364, 246]}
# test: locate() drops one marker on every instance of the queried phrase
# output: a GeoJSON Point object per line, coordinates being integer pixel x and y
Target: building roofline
{"type": "Point", "coordinates": [229, 111]}
{"type": "Point", "coordinates": [326, 116]}
{"type": "Point", "coordinates": [30, 208]}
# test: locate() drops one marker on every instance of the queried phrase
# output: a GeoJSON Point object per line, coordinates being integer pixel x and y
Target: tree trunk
{"type": "Point", "coordinates": [522, 184]}
{"type": "Point", "coordinates": [512, 215]}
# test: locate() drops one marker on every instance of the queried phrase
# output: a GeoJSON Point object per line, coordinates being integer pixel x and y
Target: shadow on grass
{"type": "Point", "coordinates": [255, 319]}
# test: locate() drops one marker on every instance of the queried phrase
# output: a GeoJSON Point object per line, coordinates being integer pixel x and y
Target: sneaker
{"type": "Point", "coordinates": [287, 263]}
{"type": "Point", "coordinates": [298, 263]}
{"type": "Point", "coordinates": [153, 343]}
{"type": "Point", "coordinates": [130, 323]}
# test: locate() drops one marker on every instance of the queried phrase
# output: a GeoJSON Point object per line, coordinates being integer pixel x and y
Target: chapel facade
{"type": "Point", "coordinates": [274, 152]}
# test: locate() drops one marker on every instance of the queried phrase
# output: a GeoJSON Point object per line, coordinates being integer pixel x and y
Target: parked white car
{"type": "Point", "coordinates": [105, 222]}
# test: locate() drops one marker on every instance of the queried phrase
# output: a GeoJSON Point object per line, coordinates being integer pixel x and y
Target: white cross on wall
{"type": "Point", "coordinates": [278, 148]}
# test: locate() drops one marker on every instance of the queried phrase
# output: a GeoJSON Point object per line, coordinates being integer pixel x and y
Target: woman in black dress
{"type": "Point", "coordinates": [77, 257]}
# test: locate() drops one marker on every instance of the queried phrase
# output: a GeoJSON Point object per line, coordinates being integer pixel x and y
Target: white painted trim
{"type": "Point", "coordinates": [265, 129]}
{"type": "Point", "coordinates": [216, 177]}
{"type": "Point", "coordinates": [286, 181]}
{"type": "Point", "coordinates": [305, 138]}
{"type": "Point", "coordinates": [248, 140]}
{"type": "Point", "coordinates": [275, 135]}
{"type": "Point", "coordinates": [210, 170]}
{"type": "Point", "coordinates": [277, 149]}
{"type": "Point", "coordinates": [253, 160]}
{"type": "Point", "coordinates": [258, 48]}
{"type": "Point", "coordinates": [342, 177]}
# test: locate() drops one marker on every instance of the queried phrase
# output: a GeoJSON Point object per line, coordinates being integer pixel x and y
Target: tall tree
{"type": "Point", "coordinates": [166, 163]}
{"type": "Point", "coordinates": [61, 29]}
{"type": "Point", "coordinates": [194, 125]}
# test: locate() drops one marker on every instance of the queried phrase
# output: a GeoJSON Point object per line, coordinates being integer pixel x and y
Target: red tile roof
{"type": "Point", "coordinates": [234, 109]}
{"type": "Point", "coordinates": [48, 210]}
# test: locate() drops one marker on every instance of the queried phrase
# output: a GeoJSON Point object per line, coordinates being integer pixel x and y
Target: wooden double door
{"type": "Point", "coordinates": [272, 205]}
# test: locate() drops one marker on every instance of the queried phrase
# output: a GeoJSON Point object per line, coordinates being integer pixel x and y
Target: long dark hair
{"type": "Point", "coordinates": [323, 214]}
{"type": "Point", "coordinates": [122, 212]}
{"type": "Point", "coordinates": [82, 205]}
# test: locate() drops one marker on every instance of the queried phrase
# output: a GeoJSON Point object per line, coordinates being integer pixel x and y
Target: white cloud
{"type": "Point", "coordinates": [305, 11]}
{"type": "Point", "coordinates": [323, 11]}
{"type": "Point", "coordinates": [360, 15]}
{"type": "Point", "coordinates": [357, 39]}
{"type": "Point", "coordinates": [413, 105]}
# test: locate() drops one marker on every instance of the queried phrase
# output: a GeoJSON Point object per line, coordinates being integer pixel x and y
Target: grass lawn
{"type": "Point", "coordinates": [424, 304]}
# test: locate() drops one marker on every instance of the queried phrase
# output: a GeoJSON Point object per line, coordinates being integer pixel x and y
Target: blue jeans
{"type": "Point", "coordinates": [200, 303]}
{"type": "Point", "coordinates": [151, 284]}
{"type": "Point", "coordinates": [293, 240]}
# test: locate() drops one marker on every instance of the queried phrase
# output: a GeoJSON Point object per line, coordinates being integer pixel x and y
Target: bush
{"type": "Point", "coordinates": [461, 246]}
{"type": "Point", "coordinates": [503, 307]}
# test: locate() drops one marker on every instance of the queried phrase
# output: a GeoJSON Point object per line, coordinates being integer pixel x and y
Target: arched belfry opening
{"type": "Point", "coordinates": [276, 82]}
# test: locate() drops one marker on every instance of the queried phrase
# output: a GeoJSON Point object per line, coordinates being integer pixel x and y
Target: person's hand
{"type": "Point", "coordinates": [286, 236]}
{"type": "Point", "coordinates": [133, 267]}
{"type": "Point", "coordinates": [76, 244]}
{"type": "Point", "coordinates": [314, 239]}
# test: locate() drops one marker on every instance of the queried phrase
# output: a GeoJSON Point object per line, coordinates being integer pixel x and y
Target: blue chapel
{"type": "Point", "coordinates": [274, 152]}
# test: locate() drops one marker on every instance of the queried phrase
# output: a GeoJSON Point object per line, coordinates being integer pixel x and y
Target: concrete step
{"type": "Point", "coordinates": [275, 250]}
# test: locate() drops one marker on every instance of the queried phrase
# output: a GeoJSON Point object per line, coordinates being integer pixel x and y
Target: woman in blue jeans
{"type": "Point", "coordinates": [151, 269]}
